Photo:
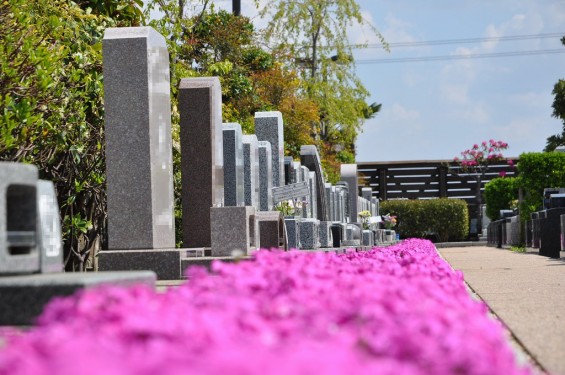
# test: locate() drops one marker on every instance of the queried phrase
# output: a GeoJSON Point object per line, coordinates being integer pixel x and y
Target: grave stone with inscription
{"type": "Point", "coordinates": [265, 173]}
{"type": "Point", "coordinates": [269, 127]}
{"type": "Point", "coordinates": [251, 170]}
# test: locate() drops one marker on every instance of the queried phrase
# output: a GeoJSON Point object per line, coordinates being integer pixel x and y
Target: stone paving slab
{"type": "Point", "coordinates": [526, 291]}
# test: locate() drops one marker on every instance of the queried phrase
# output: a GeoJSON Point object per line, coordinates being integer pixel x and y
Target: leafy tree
{"type": "Point", "coordinates": [475, 163]}
{"type": "Point", "coordinates": [311, 35]}
{"type": "Point", "coordinates": [557, 140]}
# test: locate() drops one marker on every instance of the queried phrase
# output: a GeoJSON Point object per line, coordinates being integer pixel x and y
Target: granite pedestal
{"type": "Point", "coordinates": [272, 233]}
{"type": "Point", "coordinates": [309, 234]}
{"type": "Point", "coordinates": [233, 228]}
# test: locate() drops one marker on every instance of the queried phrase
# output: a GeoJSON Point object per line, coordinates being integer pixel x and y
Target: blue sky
{"type": "Point", "coordinates": [435, 110]}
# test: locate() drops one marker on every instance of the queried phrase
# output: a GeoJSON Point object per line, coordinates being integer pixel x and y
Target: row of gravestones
{"type": "Point", "coordinates": [545, 230]}
{"type": "Point", "coordinates": [230, 181]}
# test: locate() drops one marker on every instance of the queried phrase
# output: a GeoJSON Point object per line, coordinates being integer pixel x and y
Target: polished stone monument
{"type": "Point", "coordinates": [139, 166]}
{"type": "Point", "coordinates": [269, 127]}
{"type": "Point", "coordinates": [251, 170]}
{"type": "Point", "coordinates": [200, 107]}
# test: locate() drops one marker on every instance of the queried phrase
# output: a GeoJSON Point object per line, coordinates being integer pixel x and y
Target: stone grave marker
{"type": "Point", "coordinates": [233, 165]}
{"type": "Point", "coordinates": [251, 170]}
{"type": "Point", "coordinates": [139, 166]}
{"type": "Point", "coordinates": [200, 107]}
{"type": "Point", "coordinates": [265, 176]}
{"type": "Point", "coordinates": [269, 127]}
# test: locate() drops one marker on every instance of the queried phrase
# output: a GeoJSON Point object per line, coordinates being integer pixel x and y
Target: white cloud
{"type": "Point", "coordinates": [401, 114]}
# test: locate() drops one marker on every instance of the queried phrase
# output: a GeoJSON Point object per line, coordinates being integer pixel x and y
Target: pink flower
{"type": "Point", "coordinates": [502, 173]}
{"type": "Point", "coordinates": [510, 162]}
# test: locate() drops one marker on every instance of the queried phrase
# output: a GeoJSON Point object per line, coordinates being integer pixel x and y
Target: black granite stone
{"type": "Point", "coordinates": [23, 297]}
{"type": "Point", "coordinates": [550, 233]}
{"type": "Point", "coordinates": [165, 263]}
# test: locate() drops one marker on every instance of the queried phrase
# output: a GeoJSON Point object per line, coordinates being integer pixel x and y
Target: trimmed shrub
{"type": "Point", "coordinates": [447, 219]}
{"type": "Point", "coordinates": [499, 194]}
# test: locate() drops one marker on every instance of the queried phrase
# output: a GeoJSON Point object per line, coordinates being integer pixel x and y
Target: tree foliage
{"type": "Point", "coordinates": [500, 193]}
{"type": "Point", "coordinates": [311, 36]}
{"type": "Point", "coordinates": [558, 106]}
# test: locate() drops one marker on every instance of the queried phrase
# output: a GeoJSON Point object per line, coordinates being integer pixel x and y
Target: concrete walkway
{"type": "Point", "coordinates": [526, 291]}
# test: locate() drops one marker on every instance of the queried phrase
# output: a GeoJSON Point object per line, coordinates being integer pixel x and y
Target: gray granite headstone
{"type": "Point", "coordinates": [233, 165]}
{"type": "Point", "coordinates": [305, 176]}
{"type": "Point", "coordinates": [293, 232]}
{"type": "Point", "coordinates": [344, 201]}
{"type": "Point", "coordinates": [19, 242]}
{"type": "Point", "coordinates": [269, 127]}
{"type": "Point", "coordinates": [139, 166]}
{"type": "Point", "coordinates": [297, 171]}
{"type": "Point", "coordinates": [325, 234]}
{"type": "Point", "coordinates": [200, 107]}
{"type": "Point", "coordinates": [309, 234]}
{"type": "Point", "coordinates": [329, 208]}
{"type": "Point", "coordinates": [313, 195]}
{"type": "Point", "coordinates": [310, 158]}
{"type": "Point", "coordinates": [375, 202]}
{"type": "Point", "coordinates": [50, 238]}
{"type": "Point", "coordinates": [251, 170]}
{"type": "Point", "coordinates": [265, 176]}
{"type": "Point", "coordinates": [367, 193]}
{"type": "Point", "coordinates": [349, 175]}
{"type": "Point", "coordinates": [288, 162]}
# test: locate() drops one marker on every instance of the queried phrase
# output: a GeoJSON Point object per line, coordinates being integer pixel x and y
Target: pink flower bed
{"type": "Point", "coordinates": [395, 310]}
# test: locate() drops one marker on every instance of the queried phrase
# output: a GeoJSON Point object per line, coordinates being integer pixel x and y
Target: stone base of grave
{"type": "Point", "coordinates": [164, 262]}
{"type": "Point", "coordinates": [352, 236]}
{"type": "Point", "coordinates": [233, 229]}
{"type": "Point", "coordinates": [272, 234]}
{"type": "Point", "coordinates": [23, 297]}
{"type": "Point", "coordinates": [368, 238]}
{"type": "Point", "coordinates": [325, 234]}
{"type": "Point", "coordinates": [309, 234]}
{"type": "Point", "coordinates": [292, 228]}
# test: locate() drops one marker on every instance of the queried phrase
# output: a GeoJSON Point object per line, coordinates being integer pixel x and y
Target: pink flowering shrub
{"type": "Point", "coordinates": [395, 310]}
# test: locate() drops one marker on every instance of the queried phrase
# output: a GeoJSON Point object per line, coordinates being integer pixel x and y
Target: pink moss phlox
{"type": "Point", "coordinates": [394, 310]}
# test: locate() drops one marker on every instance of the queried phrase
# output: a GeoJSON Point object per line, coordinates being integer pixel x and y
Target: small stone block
{"type": "Point", "coordinates": [233, 228]}
{"type": "Point", "coordinates": [50, 239]}
{"type": "Point", "coordinates": [293, 232]}
{"type": "Point", "coordinates": [272, 233]}
{"type": "Point", "coordinates": [368, 238]}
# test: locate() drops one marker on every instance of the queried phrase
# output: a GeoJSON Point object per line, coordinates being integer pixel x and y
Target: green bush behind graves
{"type": "Point", "coordinates": [51, 105]}
{"type": "Point", "coordinates": [447, 219]}
{"type": "Point", "coordinates": [500, 194]}
{"type": "Point", "coordinates": [537, 171]}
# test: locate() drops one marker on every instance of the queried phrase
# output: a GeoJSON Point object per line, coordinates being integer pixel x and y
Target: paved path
{"type": "Point", "coordinates": [526, 291]}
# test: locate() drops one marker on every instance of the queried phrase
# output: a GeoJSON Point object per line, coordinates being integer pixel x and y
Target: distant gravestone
{"type": "Point", "coordinates": [233, 165]}
{"type": "Point", "coordinates": [251, 170]}
{"type": "Point", "coordinates": [310, 158]}
{"type": "Point", "coordinates": [349, 175]}
{"type": "Point", "coordinates": [313, 195]}
{"type": "Point", "coordinates": [200, 107]}
{"type": "Point", "coordinates": [269, 127]}
{"type": "Point", "coordinates": [288, 170]}
{"type": "Point", "coordinates": [139, 167]}
{"type": "Point", "coordinates": [265, 176]}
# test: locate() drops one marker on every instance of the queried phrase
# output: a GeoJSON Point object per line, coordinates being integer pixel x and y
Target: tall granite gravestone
{"type": "Point", "coordinates": [296, 172]}
{"type": "Point", "coordinates": [313, 209]}
{"type": "Point", "coordinates": [233, 165]}
{"type": "Point", "coordinates": [269, 127]}
{"type": "Point", "coordinates": [310, 158]}
{"type": "Point", "coordinates": [367, 193]}
{"type": "Point", "coordinates": [251, 170]}
{"type": "Point", "coordinates": [349, 175]}
{"type": "Point", "coordinates": [288, 170]}
{"type": "Point", "coordinates": [139, 166]}
{"type": "Point", "coordinates": [200, 107]}
{"type": "Point", "coordinates": [265, 176]}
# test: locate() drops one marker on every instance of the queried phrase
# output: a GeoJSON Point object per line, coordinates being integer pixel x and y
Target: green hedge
{"type": "Point", "coordinates": [499, 194]}
{"type": "Point", "coordinates": [448, 219]}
